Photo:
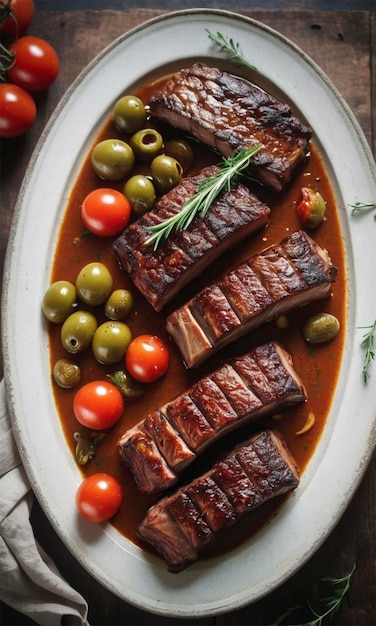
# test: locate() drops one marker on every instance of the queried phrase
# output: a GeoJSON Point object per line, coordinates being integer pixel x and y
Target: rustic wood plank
{"type": "Point", "coordinates": [341, 43]}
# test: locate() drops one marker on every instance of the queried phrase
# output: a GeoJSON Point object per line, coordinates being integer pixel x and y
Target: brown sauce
{"type": "Point", "coordinates": [318, 366]}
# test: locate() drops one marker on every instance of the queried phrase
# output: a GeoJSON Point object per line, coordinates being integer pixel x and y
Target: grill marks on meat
{"type": "Point", "coordinates": [162, 445]}
{"type": "Point", "coordinates": [278, 279]}
{"type": "Point", "coordinates": [227, 112]}
{"type": "Point", "coordinates": [180, 526]}
{"type": "Point", "coordinates": [160, 274]}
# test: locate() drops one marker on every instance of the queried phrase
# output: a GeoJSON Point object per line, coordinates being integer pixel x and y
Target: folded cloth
{"type": "Point", "coordinates": [29, 580]}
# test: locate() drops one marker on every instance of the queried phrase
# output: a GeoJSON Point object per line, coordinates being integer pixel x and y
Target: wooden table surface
{"type": "Point", "coordinates": [344, 45]}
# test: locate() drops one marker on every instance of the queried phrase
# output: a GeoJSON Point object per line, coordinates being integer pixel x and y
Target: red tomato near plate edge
{"type": "Point", "coordinates": [16, 25]}
{"type": "Point", "coordinates": [17, 110]}
{"type": "Point", "coordinates": [36, 64]}
{"type": "Point", "coordinates": [98, 405]}
{"type": "Point", "coordinates": [30, 62]}
{"type": "Point", "coordinates": [105, 212]}
{"type": "Point", "coordinates": [147, 358]}
{"type": "Point", "coordinates": [98, 497]}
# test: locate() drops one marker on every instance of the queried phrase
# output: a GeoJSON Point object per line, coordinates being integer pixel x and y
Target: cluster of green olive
{"type": "Point", "coordinates": [114, 159]}
{"type": "Point", "coordinates": [79, 327]}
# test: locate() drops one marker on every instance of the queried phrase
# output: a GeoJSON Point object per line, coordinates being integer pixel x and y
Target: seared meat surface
{"type": "Point", "coordinates": [227, 112]}
{"type": "Point", "coordinates": [278, 279]}
{"type": "Point", "coordinates": [180, 526]}
{"type": "Point", "coordinates": [247, 388]}
{"type": "Point", "coordinates": [160, 274]}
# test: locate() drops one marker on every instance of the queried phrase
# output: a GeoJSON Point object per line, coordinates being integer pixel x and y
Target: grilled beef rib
{"type": "Point", "coordinates": [160, 274]}
{"type": "Point", "coordinates": [278, 279]}
{"type": "Point", "coordinates": [227, 112]}
{"type": "Point", "coordinates": [246, 388]}
{"type": "Point", "coordinates": [180, 526]}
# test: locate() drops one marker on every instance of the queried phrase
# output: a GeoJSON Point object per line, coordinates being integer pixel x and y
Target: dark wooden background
{"type": "Point", "coordinates": [341, 37]}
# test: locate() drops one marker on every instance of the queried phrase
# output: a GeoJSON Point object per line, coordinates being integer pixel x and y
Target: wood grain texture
{"type": "Point", "coordinates": [343, 44]}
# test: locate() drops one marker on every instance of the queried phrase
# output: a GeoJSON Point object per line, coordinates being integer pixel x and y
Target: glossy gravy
{"type": "Point", "coordinates": [318, 366]}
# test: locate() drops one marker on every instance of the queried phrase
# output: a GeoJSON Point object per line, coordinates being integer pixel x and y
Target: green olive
{"type": "Point", "coordinates": [166, 172]}
{"type": "Point", "coordinates": [59, 301]}
{"type": "Point", "coordinates": [129, 114]}
{"type": "Point", "coordinates": [141, 194]}
{"type": "Point", "coordinates": [146, 144]}
{"type": "Point", "coordinates": [112, 159]}
{"type": "Point", "coordinates": [119, 304]}
{"type": "Point", "coordinates": [181, 151]}
{"type": "Point", "coordinates": [67, 374]}
{"type": "Point", "coordinates": [77, 331]}
{"type": "Point", "coordinates": [94, 284]}
{"type": "Point", "coordinates": [110, 341]}
{"type": "Point", "coordinates": [321, 328]}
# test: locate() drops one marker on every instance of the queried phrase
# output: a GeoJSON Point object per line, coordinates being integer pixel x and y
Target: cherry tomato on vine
{"type": "Point", "coordinates": [21, 13]}
{"type": "Point", "coordinates": [105, 212]}
{"type": "Point", "coordinates": [98, 497]}
{"type": "Point", "coordinates": [98, 405]}
{"type": "Point", "coordinates": [36, 63]}
{"type": "Point", "coordinates": [17, 110]}
{"type": "Point", "coordinates": [147, 358]}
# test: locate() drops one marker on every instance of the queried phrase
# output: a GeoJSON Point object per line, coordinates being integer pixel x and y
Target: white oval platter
{"type": "Point", "coordinates": [256, 568]}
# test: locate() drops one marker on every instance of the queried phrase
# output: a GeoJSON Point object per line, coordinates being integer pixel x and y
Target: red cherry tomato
{"type": "Point", "coordinates": [98, 497]}
{"type": "Point", "coordinates": [98, 405]}
{"type": "Point", "coordinates": [105, 212]}
{"type": "Point", "coordinates": [17, 110]}
{"type": "Point", "coordinates": [147, 358]}
{"type": "Point", "coordinates": [16, 25]}
{"type": "Point", "coordinates": [36, 63]}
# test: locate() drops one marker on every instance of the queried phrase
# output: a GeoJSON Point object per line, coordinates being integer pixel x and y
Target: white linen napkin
{"type": "Point", "coordinates": [29, 580]}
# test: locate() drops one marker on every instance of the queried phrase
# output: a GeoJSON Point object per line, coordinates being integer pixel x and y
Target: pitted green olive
{"type": "Point", "coordinates": [166, 172]}
{"type": "Point", "coordinates": [146, 144]}
{"type": "Point", "coordinates": [321, 328]}
{"type": "Point", "coordinates": [77, 331]}
{"type": "Point", "coordinates": [141, 194]}
{"type": "Point", "coordinates": [181, 151]}
{"type": "Point", "coordinates": [119, 304]}
{"type": "Point", "coordinates": [112, 159]}
{"type": "Point", "coordinates": [129, 114]}
{"type": "Point", "coordinates": [94, 284]}
{"type": "Point", "coordinates": [59, 301]}
{"type": "Point", "coordinates": [110, 342]}
{"type": "Point", "coordinates": [67, 374]}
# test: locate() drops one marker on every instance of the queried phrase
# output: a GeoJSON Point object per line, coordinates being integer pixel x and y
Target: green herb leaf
{"type": "Point", "coordinates": [368, 343]}
{"type": "Point", "coordinates": [232, 49]}
{"type": "Point", "coordinates": [201, 201]}
{"type": "Point", "coordinates": [361, 207]}
{"type": "Point", "coordinates": [330, 604]}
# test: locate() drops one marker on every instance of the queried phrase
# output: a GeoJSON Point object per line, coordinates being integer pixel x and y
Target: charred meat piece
{"type": "Point", "coordinates": [162, 445]}
{"type": "Point", "coordinates": [181, 525]}
{"type": "Point", "coordinates": [160, 274]}
{"type": "Point", "coordinates": [278, 279]}
{"type": "Point", "coordinates": [227, 113]}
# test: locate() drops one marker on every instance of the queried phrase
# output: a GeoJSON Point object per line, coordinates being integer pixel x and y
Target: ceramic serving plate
{"type": "Point", "coordinates": [254, 569]}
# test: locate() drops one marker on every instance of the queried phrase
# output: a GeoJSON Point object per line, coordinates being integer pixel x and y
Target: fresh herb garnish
{"type": "Point", "coordinates": [360, 207]}
{"type": "Point", "coordinates": [200, 202]}
{"type": "Point", "coordinates": [232, 49]}
{"type": "Point", "coordinates": [330, 604]}
{"type": "Point", "coordinates": [368, 343]}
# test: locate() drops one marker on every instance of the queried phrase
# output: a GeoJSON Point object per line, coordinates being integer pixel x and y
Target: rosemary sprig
{"type": "Point", "coordinates": [360, 207]}
{"type": "Point", "coordinates": [368, 343]}
{"type": "Point", "coordinates": [331, 603]}
{"type": "Point", "coordinates": [232, 49]}
{"type": "Point", "coordinates": [200, 202]}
